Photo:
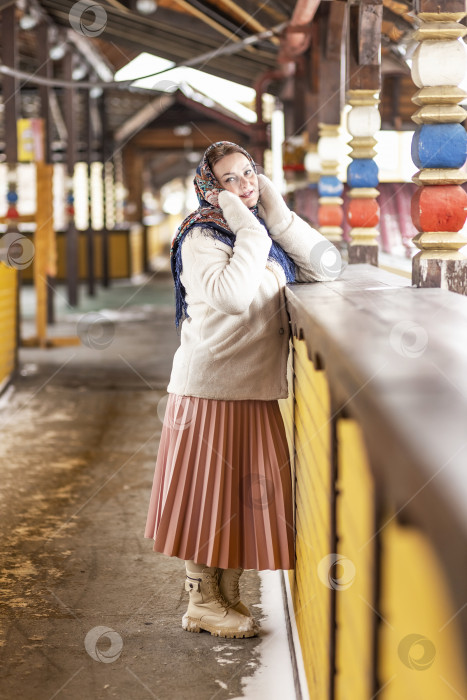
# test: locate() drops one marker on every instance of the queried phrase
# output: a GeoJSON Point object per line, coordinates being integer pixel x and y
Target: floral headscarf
{"type": "Point", "coordinates": [210, 217]}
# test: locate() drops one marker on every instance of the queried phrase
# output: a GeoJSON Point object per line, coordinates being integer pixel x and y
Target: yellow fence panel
{"type": "Point", "coordinates": [421, 645]}
{"type": "Point", "coordinates": [8, 315]}
{"type": "Point", "coordinates": [355, 565]}
{"type": "Point", "coordinates": [312, 599]}
{"type": "Point", "coordinates": [379, 441]}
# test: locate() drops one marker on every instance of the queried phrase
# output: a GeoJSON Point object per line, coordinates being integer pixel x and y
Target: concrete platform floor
{"type": "Point", "coordinates": [88, 610]}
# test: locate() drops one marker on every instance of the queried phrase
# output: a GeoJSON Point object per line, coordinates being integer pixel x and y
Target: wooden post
{"type": "Point", "coordinates": [119, 188]}
{"type": "Point", "coordinates": [330, 188]}
{"type": "Point", "coordinates": [133, 168]}
{"type": "Point", "coordinates": [44, 225]}
{"type": "Point", "coordinates": [72, 233]}
{"type": "Point", "coordinates": [313, 169]}
{"type": "Point", "coordinates": [89, 230]}
{"type": "Point", "coordinates": [45, 71]}
{"type": "Point", "coordinates": [363, 122]}
{"type": "Point", "coordinates": [439, 146]}
{"type": "Point", "coordinates": [105, 151]}
{"type": "Point", "coordinates": [44, 212]}
{"type": "Point", "coordinates": [11, 96]}
{"type": "Point", "coordinates": [311, 160]}
{"type": "Point", "coordinates": [10, 85]}
{"type": "Point", "coordinates": [330, 87]}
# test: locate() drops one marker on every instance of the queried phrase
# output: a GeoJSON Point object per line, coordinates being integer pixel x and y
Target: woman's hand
{"type": "Point", "coordinates": [237, 214]}
{"type": "Point", "coordinates": [272, 208]}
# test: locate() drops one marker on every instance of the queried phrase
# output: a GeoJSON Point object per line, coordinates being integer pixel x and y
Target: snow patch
{"type": "Point", "coordinates": [6, 396]}
{"type": "Point", "coordinates": [273, 679]}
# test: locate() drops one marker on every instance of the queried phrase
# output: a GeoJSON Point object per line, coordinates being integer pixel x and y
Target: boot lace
{"type": "Point", "coordinates": [233, 585]}
{"type": "Point", "coordinates": [211, 580]}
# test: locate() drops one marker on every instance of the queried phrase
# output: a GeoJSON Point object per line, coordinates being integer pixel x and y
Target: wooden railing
{"type": "Point", "coordinates": [377, 420]}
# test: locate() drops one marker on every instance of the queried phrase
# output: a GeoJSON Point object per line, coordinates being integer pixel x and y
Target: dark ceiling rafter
{"type": "Point", "coordinates": [180, 36]}
{"type": "Point", "coordinates": [177, 42]}
{"type": "Point", "coordinates": [176, 36]}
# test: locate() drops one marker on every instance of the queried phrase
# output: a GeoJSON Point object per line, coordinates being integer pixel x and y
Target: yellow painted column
{"type": "Point", "coordinates": [312, 599]}
{"type": "Point", "coordinates": [8, 312]}
{"type": "Point", "coordinates": [355, 565]}
{"type": "Point", "coordinates": [44, 259]}
{"type": "Point", "coordinates": [420, 642]}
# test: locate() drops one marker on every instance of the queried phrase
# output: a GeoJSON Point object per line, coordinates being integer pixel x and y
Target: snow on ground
{"type": "Point", "coordinates": [273, 679]}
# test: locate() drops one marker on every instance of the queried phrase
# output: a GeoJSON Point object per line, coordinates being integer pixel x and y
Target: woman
{"type": "Point", "coordinates": [222, 495]}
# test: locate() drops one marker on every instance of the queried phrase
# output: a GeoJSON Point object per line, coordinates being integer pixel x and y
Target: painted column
{"type": "Point", "coordinates": [11, 102]}
{"type": "Point", "coordinates": [330, 188]}
{"type": "Point", "coordinates": [363, 122]}
{"type": "Point", "coordinates": [72, 248]}
{"type": "Point", "coordinates": [313, 169]}
{"type": "Point", "coordinates": [330, 44]}
{"type": "Point", "coordinates": [45, 70]}
{"type": "Point", "coordinates": [439, 147]}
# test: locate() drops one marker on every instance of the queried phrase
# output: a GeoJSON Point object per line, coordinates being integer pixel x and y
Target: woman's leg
{"type": "Point", "coordinates": [208, 609]}
{"type": "Point", "coordinates": [229, 586]}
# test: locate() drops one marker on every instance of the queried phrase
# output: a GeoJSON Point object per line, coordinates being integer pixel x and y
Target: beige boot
{"type": "Point", "coordinates": [230, 589]}
{"type": "Point", "coordinates": [208, 610]}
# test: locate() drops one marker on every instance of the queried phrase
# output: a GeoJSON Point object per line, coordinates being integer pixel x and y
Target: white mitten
{"type": "Point", "coordinates": [272, 208]}
{"type": "Point", "coordinates": [237, 214]}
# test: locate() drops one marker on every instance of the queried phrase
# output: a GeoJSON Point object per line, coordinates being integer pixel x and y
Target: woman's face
{"type": "Point", "coordinates": [236, 174]}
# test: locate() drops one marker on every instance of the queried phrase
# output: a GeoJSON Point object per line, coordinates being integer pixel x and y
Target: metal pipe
{"type": "Point", "coordinates": [294, 42]}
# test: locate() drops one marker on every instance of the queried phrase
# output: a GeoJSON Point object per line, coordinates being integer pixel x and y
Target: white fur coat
{"type": "Point", "coordinates": [235, 343]}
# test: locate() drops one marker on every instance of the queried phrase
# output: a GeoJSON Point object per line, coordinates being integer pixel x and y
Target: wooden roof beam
{"type": "Point", "coordinates": [364, 45]}
{"type": "Point", "coordinates": [164, 139]}
{"type": "Point", "coordinates": [331, 87]}
{"type": "Point", "coordinates": [92, 55]}
{"type": "Point", "coordinates": [242, 15]}
{"type": "Point", "coordinates": [143, 117]}
{"type": "Point", "coordinates": [218, 115]}
{"type": "Point", "coordinates": [206, 19]}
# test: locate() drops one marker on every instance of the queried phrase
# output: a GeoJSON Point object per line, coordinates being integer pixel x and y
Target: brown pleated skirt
{"type": "Point", "coordinates": [222, 493]}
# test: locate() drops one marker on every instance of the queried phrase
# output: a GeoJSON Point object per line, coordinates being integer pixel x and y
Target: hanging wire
{"type": "Point", "coordinates": [228, 49]}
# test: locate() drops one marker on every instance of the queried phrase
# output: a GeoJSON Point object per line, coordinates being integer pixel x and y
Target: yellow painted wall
{"type": "Point", "coordinates": [287, 407]}
{"type": "Point", "coordinates": [136, 249]}
{"type": "Point", "coordinates": [8, 309]}
{"type": "Point", "coordinates": [159, 237]}
{"type": "Point", "coordinates": [355, 570]}
{"type": "Point", "coordinates": [414, 597]}
{"type": "Point", "coordinates": [155, 241]}
{"type": "Point", "coordinates": [420, 640]}
{"type": "Point", "coordinates": [120, 263]}
{"type": "Point", "coordinates": [311, 597]}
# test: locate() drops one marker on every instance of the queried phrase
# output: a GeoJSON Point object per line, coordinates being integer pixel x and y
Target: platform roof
{"type": "Point", "coordinates": [183, 30]}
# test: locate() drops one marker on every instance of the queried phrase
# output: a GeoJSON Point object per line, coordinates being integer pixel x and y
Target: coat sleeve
{"type": "Point", "coordinates": [316, 258]}
{"type": "Point", "coordinates": [225, 279]}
